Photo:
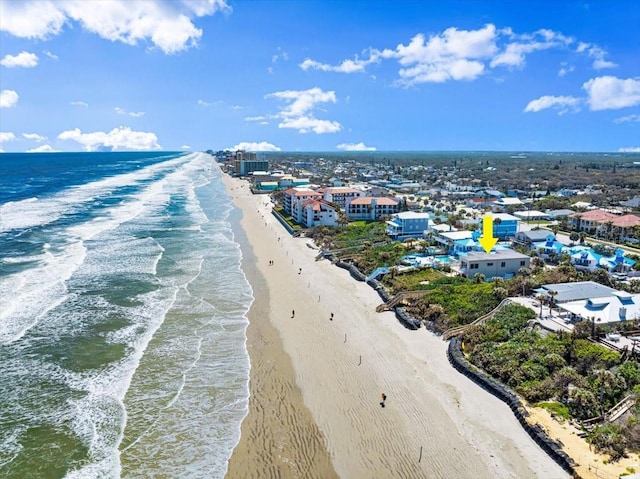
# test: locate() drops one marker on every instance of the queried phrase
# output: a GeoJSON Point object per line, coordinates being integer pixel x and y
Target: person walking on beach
{"type": "Point", "coordinates": [300, 271]}
{"type": "Point", "coordinates": [331, 317]}
{"type": "Point", "coordinates": [384, 399]}
{"type": "Point", "coordinates": [293, 313]}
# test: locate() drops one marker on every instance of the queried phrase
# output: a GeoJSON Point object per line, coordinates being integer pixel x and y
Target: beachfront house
{"type": "Point", "coordinates": [293, 201]}
{"type": "Point", "coordinates": [370, 208]}
{"type": "Point", "coordinates": [565, 292]}
{"type": "Point", "coordinates": [408, 224]}
{"type": "Point", "coordinates": [315, 212]}
{"type": "Point", "coordinates": [503, 263]}
{"type": "Point", "coordinates": [340, 196]}
{"type": "Point", "coordinates": [617, 307]}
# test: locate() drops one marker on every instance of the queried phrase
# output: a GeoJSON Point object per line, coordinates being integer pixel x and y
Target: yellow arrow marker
{"type": "Point", "coordinates": [487, 240]}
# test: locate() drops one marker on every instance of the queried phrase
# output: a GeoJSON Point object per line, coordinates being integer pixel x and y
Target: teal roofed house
{"type": "Point", "coordinates": [466, 246]}
{"type": "Point", "coordinates": [548, 247]}
{"type": "Point", "coordinates": [585, 259]}
{"type": "Point", "coordinates": [617, 263]}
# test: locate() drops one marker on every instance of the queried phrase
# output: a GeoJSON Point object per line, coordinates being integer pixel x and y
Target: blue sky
{"type": "Point", "coordinates": [319, 75]}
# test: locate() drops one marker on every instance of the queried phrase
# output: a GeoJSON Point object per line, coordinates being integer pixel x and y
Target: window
{"type": "Point", "coordinates": [522, 263]}
{"type": "Point", "coordinates": [489, 264]}
{"type": "Point", "coordinates": [503, 264]}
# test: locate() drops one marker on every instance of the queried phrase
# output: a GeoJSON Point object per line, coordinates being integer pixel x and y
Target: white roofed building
{"type": "Point", "coordinates": [620, 306]}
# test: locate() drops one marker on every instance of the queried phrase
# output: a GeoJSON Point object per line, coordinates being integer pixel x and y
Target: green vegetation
{"type": "Point", "coordinates": [556, 409]}
{"type": "Point", "coordinates": [371, 257]}
{"type": "Point", "coordinates": [414, 280]}
{"type": "Point", "coordinates": [280, 212]}
{"type": "Point", "coordinates": [453, 301]}
{"type": "Point", "coordinates": [566, 373]}
{"type": "Point", "coordinates": [356, 233]}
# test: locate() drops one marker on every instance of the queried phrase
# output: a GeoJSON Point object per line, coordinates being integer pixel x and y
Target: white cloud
{"type": "Point", "coordinates": [560, 103]}
{"type": "Point", "coordinates": [253, 146]}
{"type": "Point", "coordinates": [8, 98]}
{"type": "Point", "coordinates": [80, 103]}
{"type": "Point", "coordinates": [346, 66]}
{"type": "Point", "coordinates": [281, 54]}
{"type": "Point", "coordinates": [255, 118]}
{"type": "Point", "coordinates": [452, 55]}
{"type": "Point", "coordinates": [237, 107]}
{"type": "Point", "coordinates": [121, 138]}
{"type": "Point", "coordinates": [29, 19]}
{"type": "Point", "coordinates": [6, 136]}
{"type": "Point", "coordinates": [185, 147]}
{"type": "Point", "coordinates": [628, 119]}
{"type": "Point", "coordinates": [43, 149]}
{"type": "Point", "coordinates": [35, 137]}
{"type": "Point", "coordinates": [204, 103]}
{"type": "Point", "coordinates": [298, 113]}
{"type": "Point", "coordinates": [629, 149]}
{"type": "Point", "coordinates": [513, 55]}
{"type": "Point", "coordinates": [355, 147]}
{"type": "Point", "coordinates": [565, 69]}
{"type": "Point", "coordinates": [462, 54]}
{"type": "Point", "coordinates": [167, 25]}
{"type": "Point", "coordinates": [120, 111]}
{"type": "Point", "coordinates": [22, 59]}
{"type": "Point", "coordinates": [597, 54]}
{"type": "Point", "coordinates": [305, 124]}
{"type": "Point", "coordinates": [611, 93]}
{"type": "Point", "coordinates": [49, 54]}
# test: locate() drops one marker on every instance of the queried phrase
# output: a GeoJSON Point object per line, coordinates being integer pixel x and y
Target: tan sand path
{"type": "Point", "coordinates": [463, 431]}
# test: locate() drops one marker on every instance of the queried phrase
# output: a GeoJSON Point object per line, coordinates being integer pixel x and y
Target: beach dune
{"type": "Point", "coordinates": [317, 381]}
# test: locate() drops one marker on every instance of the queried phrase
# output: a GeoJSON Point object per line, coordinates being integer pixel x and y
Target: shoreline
{"type": "Point", "coordinates": [436, 423]}
{"type": "Point", "coordinates": [277, 417]}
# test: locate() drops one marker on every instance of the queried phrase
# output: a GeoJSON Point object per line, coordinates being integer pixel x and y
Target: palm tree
{"type": "Point", "coordinates": [582, 236]}
{"type": "Point", "coordinates": [553, 295]}
{"type": "Point", "coordinates": [540, 298]}
{"type": "Point", "coordinates": [342, 219]}
{"type": "Point", "coordinates": [609, 231]}
{"type": "Point", "coordinates": [479, 278]}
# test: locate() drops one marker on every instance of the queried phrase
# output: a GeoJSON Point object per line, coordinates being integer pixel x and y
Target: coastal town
{"type": "Point", "coordinates": [558, 288]}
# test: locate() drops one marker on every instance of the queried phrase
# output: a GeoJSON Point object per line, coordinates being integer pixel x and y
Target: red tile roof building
{"type": "Point", "coordinates": [318, 212]}
{"type": "Point", "coordinates": [604, 224]}
{"type": "Point", "coordinates": [369, 208]}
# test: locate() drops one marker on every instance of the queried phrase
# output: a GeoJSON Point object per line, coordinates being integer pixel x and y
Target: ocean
{"type": "Point", "coordinates": [122, 317]}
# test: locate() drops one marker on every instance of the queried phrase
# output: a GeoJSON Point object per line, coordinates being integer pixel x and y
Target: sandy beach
{"type": "Point", "coordinates": [316, 382]}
